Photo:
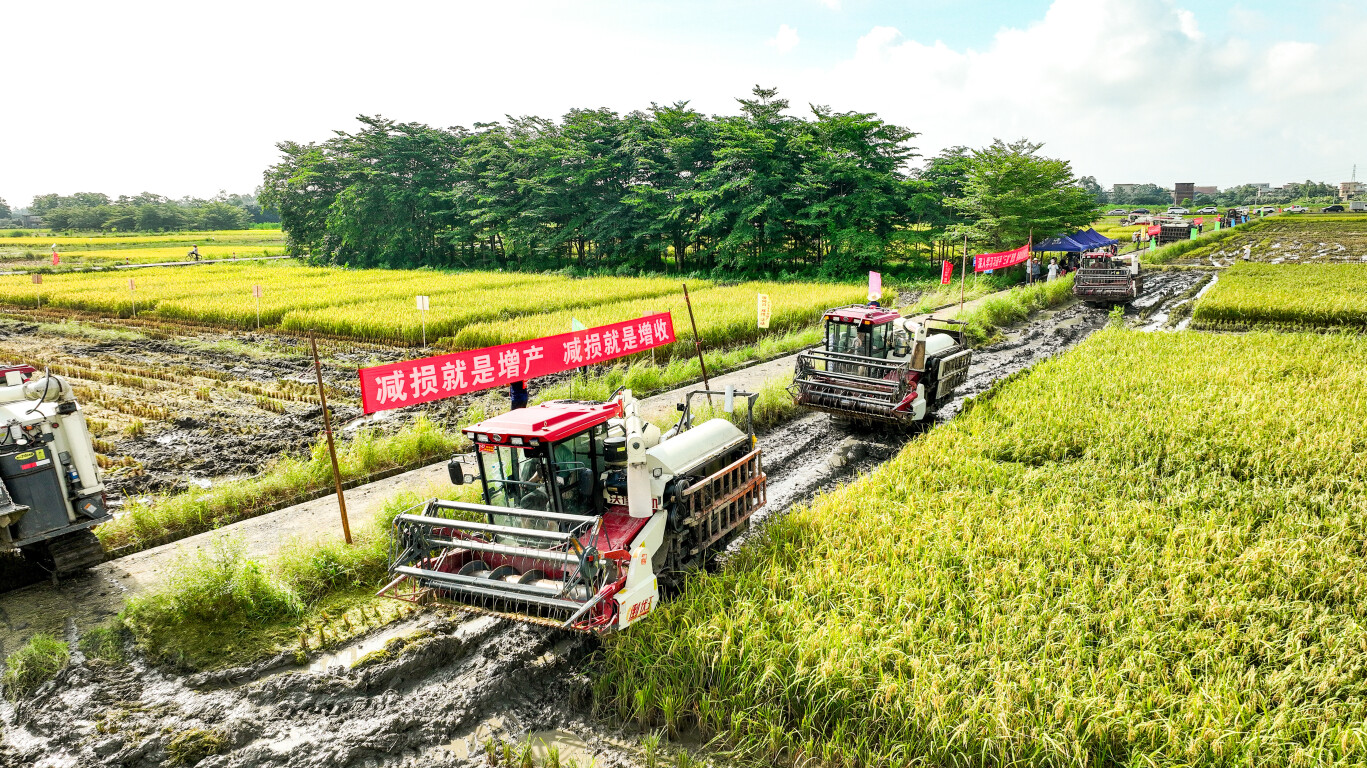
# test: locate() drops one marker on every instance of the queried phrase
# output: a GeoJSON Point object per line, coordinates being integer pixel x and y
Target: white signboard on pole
{"type": "Point", "coordinates": [765, 309]}
{"type": "Point", "coordinates": [423, 304]}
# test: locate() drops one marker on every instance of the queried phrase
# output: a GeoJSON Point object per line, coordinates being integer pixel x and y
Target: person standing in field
{"type": "Point", "coordinates": [1034, 270]}
{"type": "Point", "coordinates": [518, 394]}
{"type": "Point", "coordinates": [1053, 269]}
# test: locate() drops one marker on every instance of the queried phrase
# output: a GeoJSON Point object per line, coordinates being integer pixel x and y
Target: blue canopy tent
{"type": "Point", "coordinates": [1078, 242]}
{"type": "Point", "coordinates": [1062, 243]}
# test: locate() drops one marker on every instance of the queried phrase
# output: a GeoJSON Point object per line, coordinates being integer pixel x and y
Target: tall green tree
{"type": "Point", "coordinates": [1012, 192]}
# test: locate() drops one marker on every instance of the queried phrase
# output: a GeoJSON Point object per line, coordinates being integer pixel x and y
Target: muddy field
{"type": "Point", "coordinates": [450, 683]}
{"type": "Point", "coordinates": [171, 405]}
{"type": "Point", "coordinates": [1295, 240]}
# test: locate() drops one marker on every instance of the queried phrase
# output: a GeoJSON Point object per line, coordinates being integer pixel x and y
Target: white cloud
{"type": "Point", "coordinates": [786, 39]}
{"type": "Point", "coordinates": [1129, 90]}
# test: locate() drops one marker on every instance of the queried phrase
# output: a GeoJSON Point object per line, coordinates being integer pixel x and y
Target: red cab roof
{"type": "Point", "coordinates": [858, 313]}
{"type": "Point", "coordinates": [548, 422]}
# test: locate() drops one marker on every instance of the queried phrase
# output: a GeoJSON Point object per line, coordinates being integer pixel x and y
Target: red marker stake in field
{"type": "Point", "coordinates": [385, 387]}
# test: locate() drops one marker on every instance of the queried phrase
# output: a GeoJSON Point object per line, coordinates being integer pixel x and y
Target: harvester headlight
{"type": "Point", "coordinates": [516, 441]}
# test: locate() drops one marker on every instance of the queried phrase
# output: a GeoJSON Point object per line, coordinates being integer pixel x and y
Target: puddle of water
{"type": "Point", "coordinates": [1214, 278]}
{"type": "Point", "coordinates": [346, 657]}
{"type": "Point", "coordinates": [463, 746]}
{"type": "Point", "coordinates": [569, 745]}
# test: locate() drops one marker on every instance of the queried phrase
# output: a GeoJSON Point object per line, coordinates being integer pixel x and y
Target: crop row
{"type": "Point", "coordinates": [725, 315]}
{"type": "Point", "coordinates": [1314, 295]}
{"type": "Point", "coordinates": [1165, 576]}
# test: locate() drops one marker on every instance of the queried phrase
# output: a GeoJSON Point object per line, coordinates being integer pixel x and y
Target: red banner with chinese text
{"type": "Point", "coordinates": [946, 272]}
{"type": "Point", "coordinates": [985, 261]}
{"type": "Point", "coordinates": [385, 387]}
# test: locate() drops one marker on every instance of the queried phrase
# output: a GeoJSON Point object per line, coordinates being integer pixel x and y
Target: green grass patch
{"type": "Point", "coordinates": [1169, 576]}
{"type": "Point", "coordinates": [37, 662]}
{"type": "Point", "coordinates": [104, 643]}
{"type": "Point", "coordinates": [220, 607]}
{"type": "Point", "coordinates": [286, 480]}
{"type": "Point", "coordinates": [189, 747]}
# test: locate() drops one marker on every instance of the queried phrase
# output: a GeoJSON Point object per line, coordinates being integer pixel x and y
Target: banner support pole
{"type": "Point", "coordinates": [697, 343]}
{"type": "Point", "coordinates": [327, 428]}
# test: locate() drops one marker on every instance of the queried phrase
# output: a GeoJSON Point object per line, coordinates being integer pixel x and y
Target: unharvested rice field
{"type": "Point", "coordinates": [1147, 552]}
{"type": "Point", "coordinates": [35, 250]}
{"type": "Point", "coordinates": [469, 309]}
{"type": "Point", "coordinates": [1295, 295]}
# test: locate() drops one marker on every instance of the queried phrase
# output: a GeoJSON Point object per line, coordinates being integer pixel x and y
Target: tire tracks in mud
{"type": "Point", "coordinates": [467, 678]}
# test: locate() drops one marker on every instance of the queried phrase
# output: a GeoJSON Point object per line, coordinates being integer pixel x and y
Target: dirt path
{"type": "Point", "coordinates": [470, 678]}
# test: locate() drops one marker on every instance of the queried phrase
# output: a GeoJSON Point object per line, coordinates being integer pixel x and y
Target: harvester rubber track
{"type": "Point", "coordinates": [73, 553]}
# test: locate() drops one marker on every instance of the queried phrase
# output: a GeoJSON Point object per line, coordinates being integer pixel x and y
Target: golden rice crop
{"type": "Point", "coordinates": [725, 315]}
{"type": "Point", "coordinates": [453, 306]}
{"type": "Point", "coordinates": [1250, 293]}
{"type": "Point", "coordinates": [41, 241]}
{"type": "Point", "coordinates": [1148, 551]}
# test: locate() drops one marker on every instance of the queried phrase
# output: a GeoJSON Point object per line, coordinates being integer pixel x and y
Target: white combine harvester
{"type": "Point", "coordinates": [878, 366]}
{"type": "Point", "coordinates": [588, 513]}
{"type": "Point", "coordinates": [51, 494]}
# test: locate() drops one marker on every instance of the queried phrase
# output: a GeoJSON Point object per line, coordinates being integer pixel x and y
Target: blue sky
{"type": "Point", "coordinates": [181, 98]}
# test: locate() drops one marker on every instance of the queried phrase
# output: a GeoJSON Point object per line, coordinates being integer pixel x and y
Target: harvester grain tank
{"type": "Point", "coordinates": [1104, 278]}
{"type": "Point", "coordinates": [877, 366]}
{"type": "Point", "coordinates": [51, 492]}
{"type": "Point", "coordinates": [588, 513]}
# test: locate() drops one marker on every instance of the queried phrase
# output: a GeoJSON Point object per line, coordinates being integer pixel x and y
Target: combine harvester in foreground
{"type": "Point", "coordinates": [1104, 279]}
{"type": "Point", "coordinates": [51, 493]}
{"type": "Point", "coordinates": [877, 366]}
{"type": "Point", "coordinates": [588, 511]}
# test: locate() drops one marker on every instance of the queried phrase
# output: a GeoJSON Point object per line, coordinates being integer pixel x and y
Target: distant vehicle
{"type": "Point", "coordinates": [1296, 209]}
{"type": "Point", "coordinates": [1332, 209]}
{"type": "Point", "coordinates": [1209, 209]}
{"type": "Point", "coordinates": [1266, 209]}
{"type": "Point", "coordinates": [1358, 205]}
{"type": "Point", "coordinates": [1117, 212]}
{"type": "Point", "coordinates": [1140, 210]}
{"type": "Point", "coordinates": [1241, 209]}
{"type": "Point", "coordinates": [1178, 211]}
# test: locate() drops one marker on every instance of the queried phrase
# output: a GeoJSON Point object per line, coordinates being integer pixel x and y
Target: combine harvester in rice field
{"type": "Point", "coordinates": [51, 491]}
{"type": "Point", "coordinates": [589, 513]}
{"type": "Point", "coordinates": [879, 367]}
{"type": "Point", "coordinates": [1104, 278]}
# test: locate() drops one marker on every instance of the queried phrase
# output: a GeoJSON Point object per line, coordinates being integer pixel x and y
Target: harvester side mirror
{"type": "Point", "coordinates": [455, 468]}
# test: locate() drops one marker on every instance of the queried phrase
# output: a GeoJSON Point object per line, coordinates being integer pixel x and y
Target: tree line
{"type": "Point", "coordinates": [1243, 194]}
{"type": "Point", "coordinates": [147, 212]}
{"type": "Point", "coordinates": [760, 192]}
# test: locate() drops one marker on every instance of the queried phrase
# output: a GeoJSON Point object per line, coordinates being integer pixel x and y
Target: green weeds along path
{"type": "Point", "coordinates": [1316, 295]}
{"type": "Point", "coordinates": [1147, 552]}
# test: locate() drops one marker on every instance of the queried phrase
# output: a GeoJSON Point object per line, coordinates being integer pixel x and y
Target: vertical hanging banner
{"type": "Point", "coordinates": [766, 309]}
{"type": "Point", "coordinates": [56, 259]}
{"type": "Point", "coordinates": [875, 285]}
{"type": "Point", "coordinates": [946, 272]}
{"type": "Point", "coordinates": [385, 387]}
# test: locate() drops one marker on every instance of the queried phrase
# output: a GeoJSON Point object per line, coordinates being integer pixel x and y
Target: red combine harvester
{"type": "Point", "coordinates": [878, 366]}
{"type": "Point", "coordinates": [587, 510]}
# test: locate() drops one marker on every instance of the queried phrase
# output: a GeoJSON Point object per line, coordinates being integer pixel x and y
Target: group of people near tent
{"type": "Point", "coordinates": [1072, 247]}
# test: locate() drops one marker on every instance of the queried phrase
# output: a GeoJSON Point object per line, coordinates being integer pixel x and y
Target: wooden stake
{"type": "Point", "coordinates": [332, 449]}
{"type": "Point", "coordinates": [697, 344]}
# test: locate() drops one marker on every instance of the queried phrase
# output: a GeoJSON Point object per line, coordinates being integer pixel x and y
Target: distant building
{"type": "Point", "coordinates": [1183, 190]}
{"type": "Point", "coordinates": [1264, 187]}
{"type": "Point", "coordinates": [1207, 190]}
{"type": "Point", "coordinates": [1348, 189]}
